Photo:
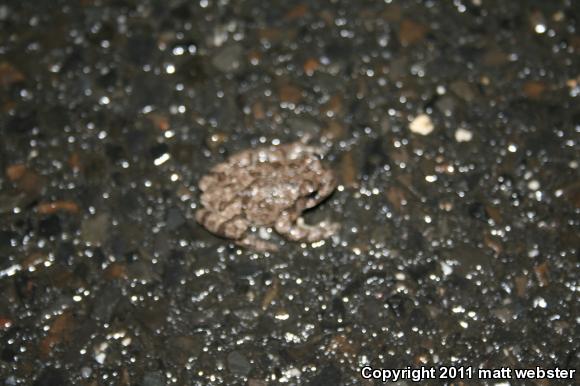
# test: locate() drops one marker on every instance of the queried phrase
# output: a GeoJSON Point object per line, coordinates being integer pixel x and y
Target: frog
{"type": "Point", "coordinates": [264, 188]}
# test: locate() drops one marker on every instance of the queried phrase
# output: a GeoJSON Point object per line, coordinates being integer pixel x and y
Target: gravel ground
{"type": "Point", "coordinates": [454, 130]}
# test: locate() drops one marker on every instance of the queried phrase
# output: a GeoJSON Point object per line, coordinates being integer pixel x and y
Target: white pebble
{"type": "Point", "coordinates": [100, 358]}
{"type": "Point", "coordinates": [86, 372]}
{"type": "Point", "coordinates": [421, 125]}
{"type": "Point", "coordinates": [540, 302]}
{"type": "Point", "coordinates": [462, 135]}
{"type": "Point", "coordinates": [533, 185]}
{"type": "Point", "coordinates": [100, 354]}
{"type": "Point", "coordinates": [446, 268]}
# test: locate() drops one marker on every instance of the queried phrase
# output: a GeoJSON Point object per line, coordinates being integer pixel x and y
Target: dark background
{"type": "Point", "coordinates": [454, 249]}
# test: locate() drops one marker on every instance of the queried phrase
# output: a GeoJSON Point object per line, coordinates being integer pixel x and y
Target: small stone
{"type": "Point", "coordinates": [94, 229]}
{"type": "Point", "coordinates": [463, 135]}
{"type": "Point", "coordinates": [463, 90]}
{"type": "Point", "coordinates": [271, 294]}
{"type": "Point", "coordinates": [297, 12]}
{"type": "Point", "coordinates": [446, 104]}
{"type": "Point", "coordinates": [159, 153]}
{"type": "Point", "coordinates": [274, 35]}
{"type": "Point", "coordinates": [396, 197]}
{"type": "Point", "coordinates": [342, 344]}
{"type": "Point", "coordinates": [26, 180]}
{"type": "Point", "coordinates": [348, 170]}
{"type": "Point", "coordinates": [258, 110]}
{"type": "Point", "coordinates": [290, 94]}
{"type": "Point", "coordinates": [174, 219]}
{"type": "Point", "coordinates": [411, 32]}
{"type": "Point", "coordinates": [4, 12]}
{"type": "Point", "coordinates": [160, 121]}
{"type": "Point", "coordinates": [15, 172]}
{"type": "Point", "coordinates": [494, 213]}
{"type": "Point", "coordinates": [256, 382]}
{"type": "Point", "coordinates": [333, 107]}
{"type": "Point", "coordinates": [495, 57]}
{"type": "Point", "coordinates": [245, 268]}
{"type": "Point", "coordinates": [228, 59]}
{"type": "Point", "coordinates": [141, 270]}
{"type": "Point", "coordinates": [238, 363]}
{"type": "Point", "coordinates": [534, 89]}
{"type": "Point", "coordinates": [533, 185]}
{"type": "Point", "coordinates": [493, 244]}
{"type": "Point", "coordinates": [304, 125]}
{"type": "Point", "coordinates": [334, 130]}
{"type": "Point", "coordinates": [51, 377]}
{"type": "Point", "coordinates": [310, 66]}
{"type": "Point", "coordinates": [181, 348]}
{"type": "Point", "coordinates": [255, 57]}
{"type": "Point", "coordinates": [105, 303]}
{"type": "Point", "coordinates": [216, 140]}
{"type": "Point", "coordinates": [542, 272]}
{"type": "Point", "coordinates": [9, 75]}
{"type": "Point", "coordinates": [5, 323]}
{"type": "Point", "coordinates": [538, 22]}
{"type": "Point", "coordinates": [392, 12]}
{"type": "Point", "coordinates": [59, 332]}
{"type": "Point", "coordinates": [521, 285]}
{"type": "Point", "coordinates": [86, 372]}
{"type": "Point", "coordinates": [329, 375]}
{"type": "Point", "coordinates": [153, 378]}
{"type": "Point", "coordinates": [100, 354]}
{"type": "Point", "coordinates": [115, 270]}
{"type": "Point", "coordinates": [422, 124]}
{"type": "Point", "coordinates": [572, 193]}
{"type": "Point", "coordinates": [57, 206]}
{"type": "Point", "coordinates": [504, 314]}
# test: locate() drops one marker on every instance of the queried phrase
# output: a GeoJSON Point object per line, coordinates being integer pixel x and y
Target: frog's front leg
{"type": "Point", "coordinates": [327, 186]}
{"type": "Point", "coordinates": [296, 150]}
{"type": "Point", "coordinates": [296, 229]}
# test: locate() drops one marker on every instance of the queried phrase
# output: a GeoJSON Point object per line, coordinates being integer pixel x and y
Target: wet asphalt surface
{"type": "Point", "coordinates": [452, 126]}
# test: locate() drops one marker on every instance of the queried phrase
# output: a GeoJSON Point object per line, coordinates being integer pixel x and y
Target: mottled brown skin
{"type": "Point", "coordinates": [266, 187]}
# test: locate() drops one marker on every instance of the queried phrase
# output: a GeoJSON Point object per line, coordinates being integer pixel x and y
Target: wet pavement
{"type": "Point", "coordinates": [454, 128]}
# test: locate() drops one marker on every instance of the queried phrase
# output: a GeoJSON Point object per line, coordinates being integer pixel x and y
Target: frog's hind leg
{"type": "Point", "coordinates": [296, 229]}
{"type": "Point", "coordinates": [257, 244]}
{"type": "Point", "coordinates": [233, 228]}
{"type": "Point", "coordinates": [230, 228]}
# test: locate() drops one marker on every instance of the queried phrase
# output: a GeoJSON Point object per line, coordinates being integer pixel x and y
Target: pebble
{"type": "Point", "coordinates": [86, 372]}
{"type": "Point", "coordinates": [463, 135]}
{"type": "Point", "coordinates": [4, 12]}
{"type": "Point", "coordinates": [422, 124]}
{"type": "Point", "coordinates": [238, 363]}
{"type": "Point", "coordinates": [100, 353]}
{"type": "Point", "coordinates": [533, 185]}
{"type": "Point", "coordinates": [94, 229]}
{"type": "Point", "coordinates": [51, 377]}
{"type": "Point", "coordinates": [153, 378]}
{"type": "Point", "coordinates": [11, 381]}
{"type": "Point", "coordinates": [228, 59]}
{"type": "Point", "coordinates": [411, 32]}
